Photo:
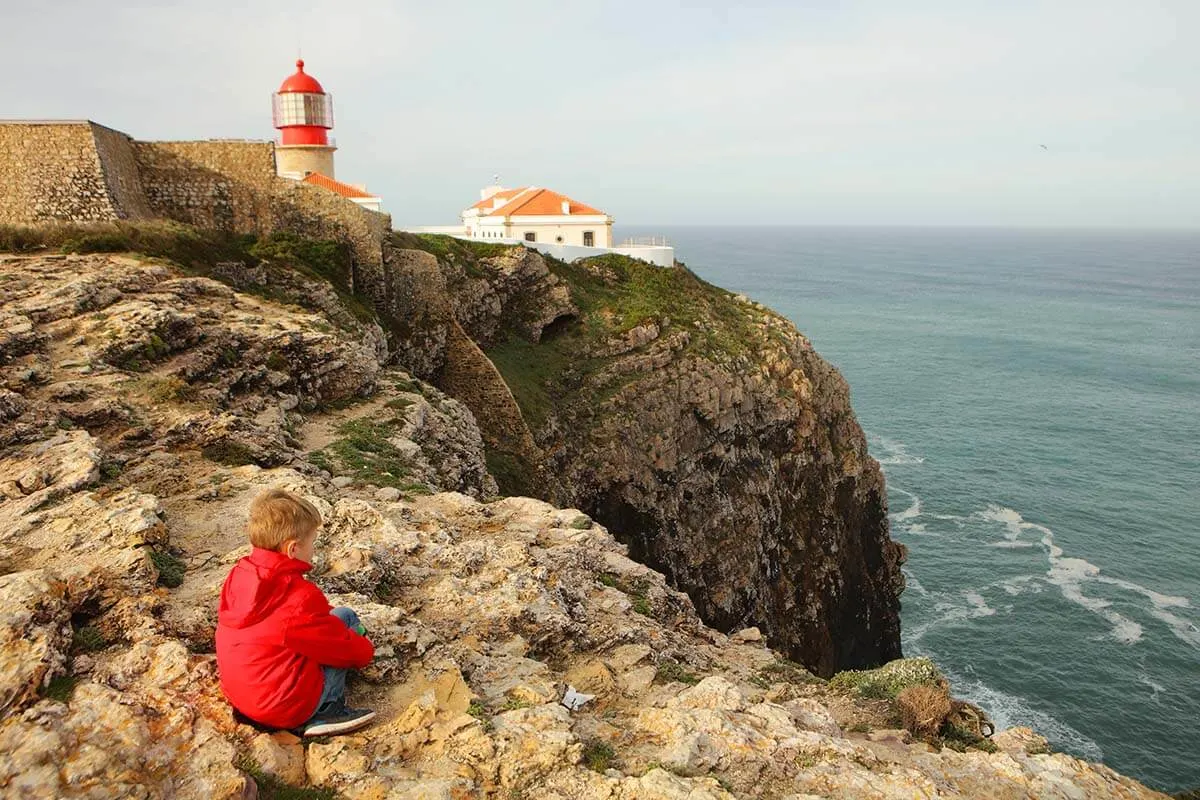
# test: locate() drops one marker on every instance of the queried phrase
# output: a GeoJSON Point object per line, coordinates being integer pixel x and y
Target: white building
{"type": "Point", "coordinates": [534, 214]}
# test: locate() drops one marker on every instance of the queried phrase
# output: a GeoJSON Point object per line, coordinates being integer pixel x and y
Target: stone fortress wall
{"type": "Point", "coordinates": [79, 171]}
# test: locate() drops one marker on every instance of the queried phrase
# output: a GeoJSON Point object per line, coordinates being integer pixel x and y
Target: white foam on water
{"type": "Point", "coordinates": [1008, 710]}
{"type": "Point", "coordinates": [911, 582]}
{"type": "Point", "coordinates": [1070, 575]}
{"type": "Point", "coordinates": [1009, 545]}
{"type": "Point", "coordinates": [979, 606]}
{"type": "Point", "coordinates": [894, 453]}
{"type": "Point", "coordinates": [914, 509]}
{"type": "Point", "coordinates": [1155, 688]}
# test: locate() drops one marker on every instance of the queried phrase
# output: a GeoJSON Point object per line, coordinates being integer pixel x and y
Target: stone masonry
{"type": "Point", "coordinates": [79, 171]}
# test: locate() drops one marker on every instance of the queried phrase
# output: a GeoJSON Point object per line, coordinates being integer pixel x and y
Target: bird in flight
{"type": "Point", "coordinates": [1043, 147]}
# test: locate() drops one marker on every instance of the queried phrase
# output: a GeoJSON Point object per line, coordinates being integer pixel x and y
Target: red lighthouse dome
{"type": "Point", "coordinates": [301, 110]}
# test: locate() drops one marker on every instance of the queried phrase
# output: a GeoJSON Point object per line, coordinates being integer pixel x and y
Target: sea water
{"type": "Point", "coordinates": [1034, 399]}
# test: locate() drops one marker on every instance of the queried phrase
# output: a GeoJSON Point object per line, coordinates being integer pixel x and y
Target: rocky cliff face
{"type": "Point", "coordinates": [142, 410]}
{"type": "Point", "coordinates": [706, 433]}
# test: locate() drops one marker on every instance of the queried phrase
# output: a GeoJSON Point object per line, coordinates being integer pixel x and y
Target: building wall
{"type": "Point", "coordinates": [296, 162]}
{"type": "Point", "coordinates": [52, 171]}
{"type": "Point", "coordinates": [571, 232]}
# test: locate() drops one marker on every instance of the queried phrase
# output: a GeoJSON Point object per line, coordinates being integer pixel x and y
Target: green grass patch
{"type": "Point", "coordinates": [87, 639]}
{"type": "Point", "coordinates": [449, 248]}
{"type": "Point", "coordinates": [598, 756]}
{"type": "Point", "coordinates": [673, 672]}
{"type": "Point", "coordinates": [961, 739]}
{"type": "Point", "coordinates": [228, 452]}
{"type": "Point", "coordinates": [889, 680]}
{"type": "Point", "coordinates": [514, 474]}
{"type": "Point", "coordinates": [641, 605]}
{"type": "Point", "coordinates": [61, 687]}
{"type": "Point", "coordinates": [366, 454]}
{"type": "Point", "coordinates": [170, 569]}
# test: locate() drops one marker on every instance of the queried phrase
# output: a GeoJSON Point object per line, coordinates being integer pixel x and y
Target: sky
{"type": "Point", "coordinates": [809, 112]}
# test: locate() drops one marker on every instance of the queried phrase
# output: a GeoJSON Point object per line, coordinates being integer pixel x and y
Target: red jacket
{"type": "Point", "coordinates": [274, 633]}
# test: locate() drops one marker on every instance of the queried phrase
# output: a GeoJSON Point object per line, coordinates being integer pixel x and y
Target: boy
{"type": "Point", "coordinates": [282, 652]}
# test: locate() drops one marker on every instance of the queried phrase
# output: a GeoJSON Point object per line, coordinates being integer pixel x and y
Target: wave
{"type": "Point", "coordinates": [894, 453]}
{"type": "Point", "coordinates": [1070, 575]}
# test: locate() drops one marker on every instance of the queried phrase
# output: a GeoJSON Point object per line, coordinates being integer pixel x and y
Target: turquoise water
{"type": "Point", "coordinates": [1034, 398]}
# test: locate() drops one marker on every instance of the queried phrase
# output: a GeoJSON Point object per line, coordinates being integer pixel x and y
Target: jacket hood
{"type": "Point", "coordinates": [257, 585]}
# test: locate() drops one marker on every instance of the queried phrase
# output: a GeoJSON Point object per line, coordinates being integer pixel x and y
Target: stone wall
{"type": "Point", "coordinates": [52, 171]}
{"type": "Point", "coordinates": [232, 186]}
{"type": "Point", "coordinates": [217, 185]}
{"type": "Point", "coordinates": [84, 172]}
{"type": "Point", "coordinates": [121, 175]}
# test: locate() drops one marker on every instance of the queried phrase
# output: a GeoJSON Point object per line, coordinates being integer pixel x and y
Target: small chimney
{"type": "Point", "coordinates": [566, 206]}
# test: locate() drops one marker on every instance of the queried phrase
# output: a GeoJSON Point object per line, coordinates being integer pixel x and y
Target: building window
{"type": "Point", "coordinates": [530, 236]}
{"type": "Point", "coordinates": [589, 239]}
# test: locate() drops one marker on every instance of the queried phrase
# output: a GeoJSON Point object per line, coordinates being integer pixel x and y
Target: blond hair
{"type": "Point", "coordinates": [276, 516]}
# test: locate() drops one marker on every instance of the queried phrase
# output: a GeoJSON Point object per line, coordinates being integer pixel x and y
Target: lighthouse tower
{"type": "Point", "coordinates": [303, 113]}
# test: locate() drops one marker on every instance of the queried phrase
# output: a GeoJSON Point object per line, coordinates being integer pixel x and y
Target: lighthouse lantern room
{"type": "Point", "coordinates": [303, 113]}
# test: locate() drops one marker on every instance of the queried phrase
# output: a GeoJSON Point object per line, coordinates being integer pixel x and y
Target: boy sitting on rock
{"type": "Point", "coordinates": [282, 652]}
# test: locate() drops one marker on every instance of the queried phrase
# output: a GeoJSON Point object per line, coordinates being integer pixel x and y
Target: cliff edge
{"type": "Point", "coordinates": [703, 430]}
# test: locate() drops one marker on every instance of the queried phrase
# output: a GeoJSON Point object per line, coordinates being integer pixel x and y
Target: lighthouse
{"type": "Point", "coordinates": [303, 113]}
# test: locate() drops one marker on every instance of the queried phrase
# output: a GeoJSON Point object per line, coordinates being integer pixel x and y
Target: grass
{"type": "Point", "coordinates": [229, 453]}
{"type": "Point", "coordinates": [87, 639]}
{"type": "Point", "coordinates": [673, 672]}
{"type": "Point", "coordinates": [598, 756]}
{"type": "Point", "coordinates": [479, 711]}
{"type": "Point", "coordinates": [642, 606]}
{"type": "Point", "coordinates": [515, 704]}
{"type": "Point", "coordinates": [961, 739]}
{"type": "Point", "coordinates": [365, 453]}
{"type": "Point", "coordinates": [272, 788]}
{"type": "Point", "coordinates": [448, 248]}
{"type": "Point", "coordinates": [513, 473]}
{"type": "Point", "coordinates": [885, 682]}
{"type": "Point", "coordinates": [61, 688]}
{"type": "Point", "coordinates": [170, 569]}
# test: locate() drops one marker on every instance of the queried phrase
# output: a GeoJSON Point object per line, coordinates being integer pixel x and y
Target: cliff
{"type": "Point", "coordinates": [703, 431]}
{"type": "Point", "coordinates": [146, 401]}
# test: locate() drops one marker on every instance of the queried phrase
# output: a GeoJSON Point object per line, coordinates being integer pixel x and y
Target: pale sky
{"type": "Point", "coordinates": [919, 112]}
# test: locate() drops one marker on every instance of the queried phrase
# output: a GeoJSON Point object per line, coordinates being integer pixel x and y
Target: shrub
{"type": "Point", "coordinates": [923, 708]}
{"type": "Point", "coordinates": [889, 680]}
{"type": "Point", "coordinates": [673, 672]}
{"type": "Point", "coordinates": [170, 569]}
{"type": "Point", "coordinates": [61, 687]}
{"type": "Point", "coordinates": [598, 756]}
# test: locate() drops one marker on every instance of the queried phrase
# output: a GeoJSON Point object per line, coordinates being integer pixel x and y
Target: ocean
{"type": "Point", "coordinates": [1034, 399]}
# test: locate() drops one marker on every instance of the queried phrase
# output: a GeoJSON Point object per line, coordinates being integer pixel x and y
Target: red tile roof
{"type": "Point", "coordinates": [503, 194]}
{"type": "Point", "coordinates": [344, 189]}
{"type": "Point", "coordinates": [539, 203]}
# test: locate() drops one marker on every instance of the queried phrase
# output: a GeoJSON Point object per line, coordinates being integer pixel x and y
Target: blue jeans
{"type": "Point", "coordinates": [334, 693]}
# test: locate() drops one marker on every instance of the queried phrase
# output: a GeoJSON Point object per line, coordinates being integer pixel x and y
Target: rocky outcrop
{"type": "Point", "coordinates": [119, 519]}
{"type": "Point", "coordinates": [705, 431]}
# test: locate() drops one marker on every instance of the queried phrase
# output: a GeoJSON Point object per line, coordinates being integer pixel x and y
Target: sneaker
{"type": "Point", "coordinates": [337, 720]}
